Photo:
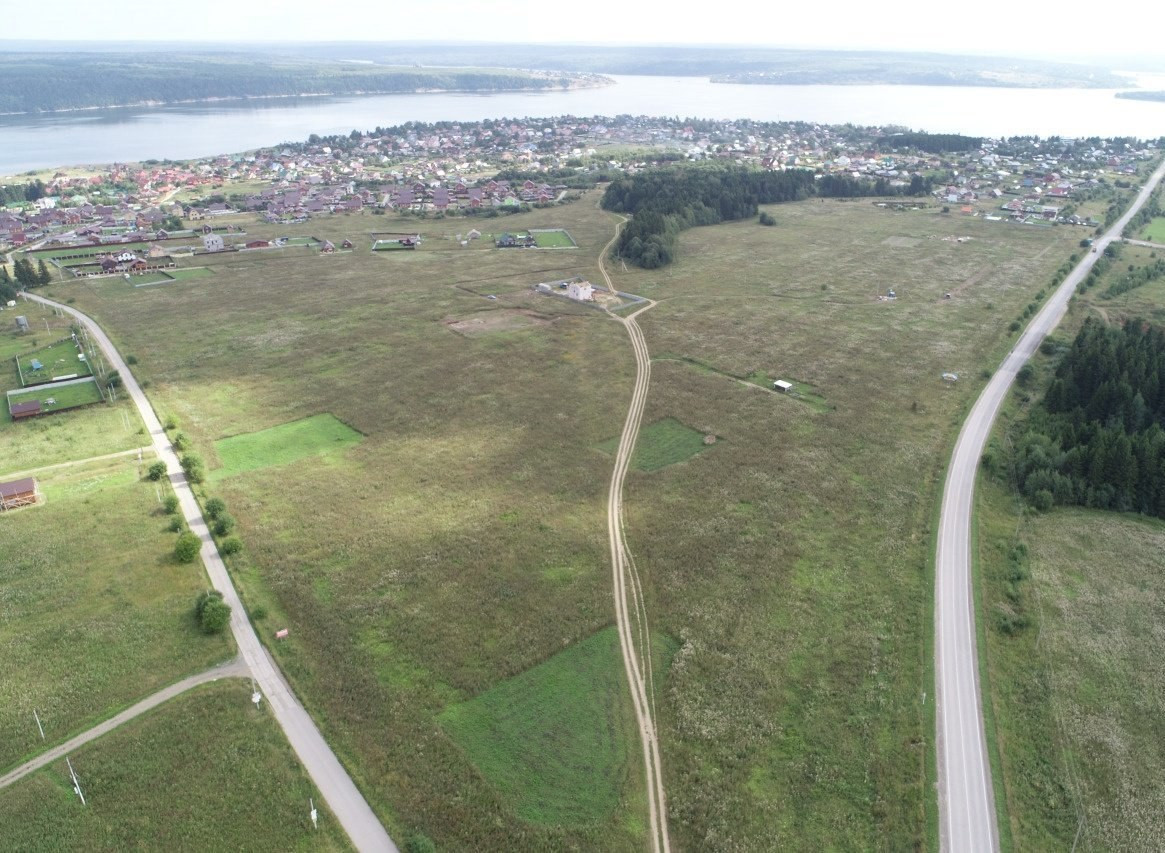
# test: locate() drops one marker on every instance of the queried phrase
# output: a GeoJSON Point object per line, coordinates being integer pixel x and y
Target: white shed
{"type": "Point", "coordinates": [782, 386]}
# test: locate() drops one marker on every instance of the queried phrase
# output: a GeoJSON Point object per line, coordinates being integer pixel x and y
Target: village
{"type": "Point", "coordinates": [494, 167]}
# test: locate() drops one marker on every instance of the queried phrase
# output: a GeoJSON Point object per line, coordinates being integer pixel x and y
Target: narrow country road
{"type": "Point", "coordinates": [235, 668]}
{"type": "Point", "coordinates": [967, 819]}
{"type": "Point", "coordinates": [329, 776]}
{"type": "Point", "coordinates": [628, 591]}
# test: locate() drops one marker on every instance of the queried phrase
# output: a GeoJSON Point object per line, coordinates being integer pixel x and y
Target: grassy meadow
{"type": "Point", "coordinates": [462, 543]}
{"type": "Point", "coordinates": [95, 613]}
{"type": "Point", "coordinates": [281, 444]}
{"type": "Point", "coordinates": [1155, 231]}
{"type": "Point", "coordinates": [1075, 691]}
{"type": "Point", "coordinates": [230, 782]}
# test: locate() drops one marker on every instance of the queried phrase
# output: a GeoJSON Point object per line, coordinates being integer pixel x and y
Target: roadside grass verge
{"type": "Point", "coordinates": [204, 771]}
{"type": "Point", "coordinates": [281, 444]}
{"type": "Point", "coordinates": [97, 614]}
{"type": "Point", "coordinates": [554, 740]}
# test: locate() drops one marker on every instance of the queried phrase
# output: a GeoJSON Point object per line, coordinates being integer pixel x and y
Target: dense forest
{"type": "Point", "coordinates": [933, 143]}
{"type": "Point", "coordinates": [663, 202]}
{"type": "Point", "coordinates": [41, 82]}
{"type": "Point", "coordinates": [1096, 438]}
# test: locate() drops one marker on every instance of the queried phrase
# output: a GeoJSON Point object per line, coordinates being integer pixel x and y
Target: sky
{"type": "Point", "coordinates": [996, 27]}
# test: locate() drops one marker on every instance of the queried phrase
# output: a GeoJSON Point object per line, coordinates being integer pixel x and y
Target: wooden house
{"type": "Point", "coordinates": [18, 493]}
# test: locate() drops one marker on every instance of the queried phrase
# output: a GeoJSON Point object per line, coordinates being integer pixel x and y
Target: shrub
{"type": "Point", "coordinates": [192, 465]}
{"type": "Point", "coordinates": [180, 441]}
{"type": "Point", "coordinates": [419, 843]}
{"type": "Point", "coordinates": [170, 423]}
{"type": "Point", "coordinates": [170, 504]}
{"type": "Point", "coordinates": [187, 547]}
{"type": "Point", "coordinates": [231, 546]}
{"type": "Point", "coordinates": [213, 613]}
{"type": "Point", "coordinates": [1014, 327]}
{"type": "Point", "coordinates": [156, 471]}
{"type": "Point", "coordinates": [176, 525]}
{"type": "Point", "coordinates": [223, 525]}
{"type": "Point", "coordinates": [131, 359]}
{"type": "Point", "coordinates": [259, 613]}
{"type": "Point", "coordinates": [766, 218]}
{"type": "Point", "coordinates": [215, 507]}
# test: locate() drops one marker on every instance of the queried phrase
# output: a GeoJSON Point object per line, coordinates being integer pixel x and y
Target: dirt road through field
{"type": "Point", "coordinates": [630, 608]}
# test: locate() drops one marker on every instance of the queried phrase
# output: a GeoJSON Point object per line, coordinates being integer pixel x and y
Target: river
{"type": "Point", "coordinates": [195, 130]}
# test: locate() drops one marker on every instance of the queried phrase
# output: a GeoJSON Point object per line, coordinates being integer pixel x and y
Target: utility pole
{"type": "Point", "coordinates": [38, 725]}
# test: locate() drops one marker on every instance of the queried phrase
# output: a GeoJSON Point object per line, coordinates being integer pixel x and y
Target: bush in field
{"type": "Point", "coordinates": [419, 843]}
{"type": "Point", "coordinates": [231, 546]}
{"type": "Point", "coordinates": [157, 470]}
{"type": "Point", "coordinates": [187, 547]}
{"type": "Point", "coordinates": [213, 613]}
{"type": "Point", "coordinates": [215, 507]}
{"type": "Point", "coordinates": [224, 524]}
{"type": "Point", "coordinates": [192, 465]}
{"type": "Point", "coordinates": [170, 504]}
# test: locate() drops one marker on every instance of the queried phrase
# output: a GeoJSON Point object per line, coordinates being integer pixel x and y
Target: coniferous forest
{"type": "Point", "coordinates": [1096, 439]}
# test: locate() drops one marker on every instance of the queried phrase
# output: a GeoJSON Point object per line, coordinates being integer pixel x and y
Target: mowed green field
{"type": "Point", "coordinates": [59, 397]}
{"type": "Point", "coordinates": [205, 771]}
{"type": "Point", "coordinates": [463, 541]}
{"type": "Point", "coordinates": [1155, 231]}
{"type": "Point", "coordinates": [97, 613]}
{"type": "Point", "coordinates": [660, 444]}
{"type": "Point", "coordinates": [282, 444]}
{"type": "Point", "coordinates": [554, 239]}
{"type": "Point", "coordinates": [556, 738]}
{"type": "Point", "coordinates": [57, 359]}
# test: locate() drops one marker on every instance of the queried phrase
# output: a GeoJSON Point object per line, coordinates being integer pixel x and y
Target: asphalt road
{"type": "Point", "coordinates": [325, 770]}
{"type": "Point", "coordinates": [231, 669]}
{"type": "Point", "coordinates": [967, 818]}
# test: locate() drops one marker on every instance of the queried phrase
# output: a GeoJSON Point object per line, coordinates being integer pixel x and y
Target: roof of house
{"type": "Point", "coordinates": [17, 487]}
{"type": "Point", "coordinates": [22, 408]}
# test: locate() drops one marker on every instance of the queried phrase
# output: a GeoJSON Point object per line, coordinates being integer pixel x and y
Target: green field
{"type": "Point", "coordinates": [58, 397]}
{"type": "Point", "coordinates": [285, 443]}
{"type": "Point", "coordinates": [58, 359]}
{"type": "Point", "coordinates": [205, 771]}
{"type": "Point", "coordinates": [1155, 231]}
{"type": "Point", "coordinates": [660, 444]}
{"type": "Point", "coordinates": [555, 740]}
{"type": "Point", "coordinates": [462, 541]}
{"type": "Point", "coordinates": [553, 239]}
{"type": "Point", "coordinates": [180, 274]}
{"type": "Point", "coordinates": [97, 614]}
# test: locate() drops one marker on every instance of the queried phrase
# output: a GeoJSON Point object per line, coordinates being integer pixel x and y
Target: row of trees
{"type": "Point", "coordinates": [665, 201]}
{"type": "Point", "coordinates": [934, 143]}
{"type": "Point", "coordinates": [1096, 439]}
{"type": "Point", "coordinates": [24, 275]}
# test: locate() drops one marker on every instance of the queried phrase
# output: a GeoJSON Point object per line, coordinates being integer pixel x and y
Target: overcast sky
{"type": "Point", "coordinates": [1128, 27]}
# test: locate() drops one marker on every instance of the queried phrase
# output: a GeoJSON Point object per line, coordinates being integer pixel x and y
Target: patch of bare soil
{"type": "Point", "coordinates": [501, 320]}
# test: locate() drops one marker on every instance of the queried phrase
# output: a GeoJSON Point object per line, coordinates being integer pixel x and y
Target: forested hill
{"type": "Point", "coordinates": [1097, 439]}
{"type": "Point", "coordinates": [44, 82]}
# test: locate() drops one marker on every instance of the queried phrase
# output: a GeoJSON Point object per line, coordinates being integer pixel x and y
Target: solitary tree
{"type": "Point", "coordinates": [157, 470]}
{"type": "Point", "coordinates": [214, 507]}
{"type": "Point", "coordinates": [212, 612]}
{"type": "Point", "coordinates": [187, 547]}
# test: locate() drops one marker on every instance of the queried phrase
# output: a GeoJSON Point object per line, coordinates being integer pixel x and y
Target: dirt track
{"type": "Point", "coordinates": [628, 591]}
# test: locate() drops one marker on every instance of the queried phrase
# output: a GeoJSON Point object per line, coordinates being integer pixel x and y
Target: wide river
{"type": "Point", "coordinates": [194, 130]}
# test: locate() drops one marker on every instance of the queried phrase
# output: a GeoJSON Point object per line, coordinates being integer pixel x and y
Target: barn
{"type": "Point", "coordinates": [18, 493]}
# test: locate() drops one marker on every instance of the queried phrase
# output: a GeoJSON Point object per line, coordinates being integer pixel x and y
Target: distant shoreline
{"type": "Point", "coordinates": [597, 82]}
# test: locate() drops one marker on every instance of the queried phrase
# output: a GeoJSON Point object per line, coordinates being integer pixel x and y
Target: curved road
{"type": "Point", "coordinates": [329, 776]}
{"type": "Point", "coordinates": [231, 669]}
{"type": "Point", "coordinates": [967, 818]}
{"type": "Point", "coordinates": [628, 591]}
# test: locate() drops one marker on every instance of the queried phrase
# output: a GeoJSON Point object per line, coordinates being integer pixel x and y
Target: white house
{"type": "Point", "coordinates": [213, 242]}
{"type": "Point", "coordinates": [580, 291]}
{"type": "Point", "coordinates": [782, 386]}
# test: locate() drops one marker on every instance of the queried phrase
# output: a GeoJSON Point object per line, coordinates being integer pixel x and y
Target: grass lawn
{"type": "Point", "coordinates": [202, 772]}
{"type": "Point", "coordinates": [554, 740]}
{"type": "Point", "coordinates": [57, 359]}
{"type": "Point", "coordinates": [462, 542]}
{"type": "Point", "coordinates": [96, 613]}
{"type": "Point", "coordinates": [660, 444]}
{"type": "Point", "coordinates": [282, 444]}
{"type": "Point", "coordinates": [58, 397]}
{"type": "Point", "coordinates": [180, 274]}
{"type": "Point", "coordinates": [553, 239]}
{"type": "Point", "coordinates": [1155, 231]}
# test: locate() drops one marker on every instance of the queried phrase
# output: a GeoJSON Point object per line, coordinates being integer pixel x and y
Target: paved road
{"type": "Point", "coordinates": [966, 800]}
{"type": "Point", "coordinates": [232, 669]}
{"type": "Point", "coordinates": [329, 776]}
{"type": "Point", "coordinates": [628, 590]}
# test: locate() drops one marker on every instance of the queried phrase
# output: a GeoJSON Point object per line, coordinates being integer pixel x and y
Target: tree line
{"type": "Point", "coordinates": [666, 201]}
{"type": "Point", "coordinates": [24, 276]}
{"type": "Point", "coordinates": [934, 143]}
{"type": "Point", "coordinates": [1096, 438]}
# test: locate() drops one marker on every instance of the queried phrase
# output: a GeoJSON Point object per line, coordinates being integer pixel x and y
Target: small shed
{"type": "Point", "coordinates": [782, 386]}
{"type": "Point", "coordinates": [22, 324]}
{"type": "Point", "coordinates": [18, 493]}
{"type": "Point", "coordinates": [25, 410]}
